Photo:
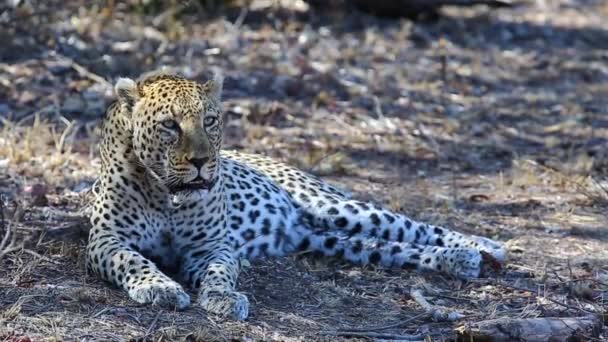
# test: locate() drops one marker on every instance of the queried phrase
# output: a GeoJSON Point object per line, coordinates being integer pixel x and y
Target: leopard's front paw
{"type": "Point", "coordinates": [225, 303]}
{"type": "Point", "coordinates": [168, 294]}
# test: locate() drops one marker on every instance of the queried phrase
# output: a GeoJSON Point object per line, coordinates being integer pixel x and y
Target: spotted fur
{"type": "Point", "coordinates": [172, 208]}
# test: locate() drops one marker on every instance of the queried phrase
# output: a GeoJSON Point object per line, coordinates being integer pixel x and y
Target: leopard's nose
{"type": "Point", "coordinates": [198, 162]}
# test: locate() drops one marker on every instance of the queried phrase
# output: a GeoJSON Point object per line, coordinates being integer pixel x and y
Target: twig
{"type": "Point", "coordinates": [152, 325]}
{"type": "Point", "coordinates": [434, 144]}
{"type": "Point", "coordinates": [381, 336]}
{"type": "Point", "coordinates": [12, 247]}
{"type": "Point", "coordinates": [241, 18]}
{"type": "Point", "coordinates": [61, 142]}
{"type": "Point", "coordinates": [437, 314]}
{"type": "Point", "coordinates": [443, 51]}
{"type": "Point", "coordinates": [85, 72]}
{"type": "Point", "coordinates": [7, 232]}
{"type": "Point", "coordinates": [378, 108]}
{"type": "Point", "coordinates": [593, 280]}
{"type": "Point", "coordinates": [41, 257]}
{"type": "Point", "coordinates": [323, 158]}
{"type": "Point", "coordinates": [386, 327]}
{"type": "Point", "coordinates": [545, 297]}
{"type": "Point", "coordinates": [600, 185]}
{"type": "Point", "coordinates": [170, 12]}
{"type": "Point", "coordinates": [8, 243]}
{"type": "Point", "coordinates": [497, 3]}
{"type": "Point", "coordinates": [101, 312]}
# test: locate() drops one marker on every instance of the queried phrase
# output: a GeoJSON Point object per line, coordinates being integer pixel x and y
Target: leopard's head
{"type": "Point", "coordinates": [176, 128]}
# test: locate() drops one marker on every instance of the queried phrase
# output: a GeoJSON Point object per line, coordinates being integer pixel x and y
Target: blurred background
{"type": "Point", "coordinates": [420, 84]}
{"type": "Point", "coordinates": [487, 116]}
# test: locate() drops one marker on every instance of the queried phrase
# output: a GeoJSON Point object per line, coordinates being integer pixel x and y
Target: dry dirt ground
{"type": "Point", "coordinates": [488, 121]}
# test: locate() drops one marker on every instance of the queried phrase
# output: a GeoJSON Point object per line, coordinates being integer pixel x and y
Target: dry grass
{"type": "Point", "coordinates": [39, 150]}
{"type": "Point", "coordinates": [487, 122]}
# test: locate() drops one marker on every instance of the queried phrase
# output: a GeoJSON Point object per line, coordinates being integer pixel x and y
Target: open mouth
{"type": "Point", "coordinates": [196, 184]}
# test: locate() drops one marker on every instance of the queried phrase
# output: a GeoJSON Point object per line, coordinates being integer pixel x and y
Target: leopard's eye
{"type": "Point", "coordinates": [170, 124]}
{"type": "Point", "coordinates": [209, 121]}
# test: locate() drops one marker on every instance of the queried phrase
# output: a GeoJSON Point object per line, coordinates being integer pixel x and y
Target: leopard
{"type": "Point", "coordinates": [175, 215]}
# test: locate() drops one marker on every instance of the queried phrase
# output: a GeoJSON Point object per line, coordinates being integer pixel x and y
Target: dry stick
{"type": "Point", "coordinates": [61, 142]}
{"type": "Point", "coordinates": [369, 332]}
{"type": "Point", "coordinates": [578, 184]}
{"type": "Point", "coordinates": [85, 72]}
{"type": "Point", "coordinates": [378, 107]}
{"type": "Point", "coordinates": [593, 280]}
{"type": "Point", "coordinates": [241, 18]}
{"type": "Point", "coordinates": [386, 327]}
{"type": "Point", "coordinates": [41, 257]}
{"type": "Point", "coordinates": [498, 3]}
{"type": "Point", "coordinates": [438, 315]}
{"type": "Point", "coordinates": [172, 11]}
{"type": "Point", "coordinates": [7, 232]}
{"type": "Point", "coordinates": [152, 326]}
{"type": "Point", "coordinates": [101, 312]}
{"type": "Point", "coordinates": [444, 73]}
{"type": "Point", "coordinates": [7, 245]}
{"type": "Point", "coordinates": [323, 158]}
{"type": "Point", "coordinates": [434, 144]}
{"type": "Point", "coordinates": [531, 329]}
{"type": "Point", "coordinates": [375, 335]}
{"type": "Point", "coordinates": [547, 298]}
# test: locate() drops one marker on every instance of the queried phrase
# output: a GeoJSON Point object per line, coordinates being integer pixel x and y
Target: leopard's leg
{"type": "Point", "coordinates": [213, 270]}
{"type": "Point", "coordinates": [115, 261]}
{"type": "Point", "coordinates": [464, 263]}
{"type": "Point", "coordinates": [357, 218]}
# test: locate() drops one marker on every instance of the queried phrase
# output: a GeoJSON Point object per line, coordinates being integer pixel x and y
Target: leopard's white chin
{"type": "Point", "coordinates": [179, 198]}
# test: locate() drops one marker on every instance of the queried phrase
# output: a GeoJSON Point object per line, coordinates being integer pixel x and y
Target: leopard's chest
{"type": "Point", "coordinates": [159, 243]}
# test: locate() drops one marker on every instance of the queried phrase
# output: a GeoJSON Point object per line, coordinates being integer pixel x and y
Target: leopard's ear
{"type": "Point", "coordinates": [214, 86]}
{"type": "Point", "coordinates": [127, 92]}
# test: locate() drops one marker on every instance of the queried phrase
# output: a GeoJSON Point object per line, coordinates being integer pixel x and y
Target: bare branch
{"type": "Point", "coordinates": [438, 314]}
